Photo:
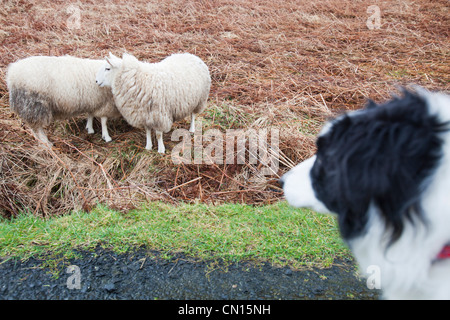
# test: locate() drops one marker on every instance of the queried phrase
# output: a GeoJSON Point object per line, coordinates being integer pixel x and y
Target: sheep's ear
{"type": "Point", "coordinates": [129, 57]}
{"type": "Point", "coordinates": [109, 62]}
{"type": "Point", "coordinates": [130, 60]}
{"type": "Point", "coordinates": [113, 60]}
{"type": "Point", "coordinates": [112, 56]}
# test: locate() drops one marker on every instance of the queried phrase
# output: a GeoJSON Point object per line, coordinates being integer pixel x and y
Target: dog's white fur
{"type": "Point", "coordinates": [408, 267]}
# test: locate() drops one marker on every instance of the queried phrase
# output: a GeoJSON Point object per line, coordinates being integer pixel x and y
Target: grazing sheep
{"type": "Point", "coordinates": [42, 89]}
{"type": "Point", "coordinates": [154, 95]}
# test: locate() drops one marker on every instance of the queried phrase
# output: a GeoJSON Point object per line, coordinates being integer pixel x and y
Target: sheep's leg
{"type": "Point", "coordinates": [159, 136]}
{"type": "Point", "coordinates": [89, 127]}
{"type": "Point", "coordinates": [40, 135]}
{"type": "Point", "coordinates": [149, 144]}
{"type": "Point", "coordinates": [192, 128]}
{"type": "Point", "coordinates": [105, 134]}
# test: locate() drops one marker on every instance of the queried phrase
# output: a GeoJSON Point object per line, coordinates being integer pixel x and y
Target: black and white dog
{"type": "Point", "coordinates": [385, 171]}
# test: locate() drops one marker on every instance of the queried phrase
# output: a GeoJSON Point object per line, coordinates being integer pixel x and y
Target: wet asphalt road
{"type": "Point", "coordinates": [105, 275]}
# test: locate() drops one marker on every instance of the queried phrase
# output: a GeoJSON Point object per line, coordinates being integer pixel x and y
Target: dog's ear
{"type": "Point", "coordinates": [370, 104]}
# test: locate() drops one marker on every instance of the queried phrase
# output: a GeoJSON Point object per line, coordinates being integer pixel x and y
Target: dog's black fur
{"type": "Point", "coordinates": [386, 154]}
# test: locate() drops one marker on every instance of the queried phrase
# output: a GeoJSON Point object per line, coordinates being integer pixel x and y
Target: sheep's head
{"type": "Point", "coordinates": [105, 74]}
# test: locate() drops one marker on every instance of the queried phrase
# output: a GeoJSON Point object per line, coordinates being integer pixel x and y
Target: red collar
{"type": "Point", "coordinates": [445, 252]}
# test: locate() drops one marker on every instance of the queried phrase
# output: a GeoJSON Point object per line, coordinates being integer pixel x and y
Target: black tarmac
{"type": "Point", "coordinates": [141, 275]}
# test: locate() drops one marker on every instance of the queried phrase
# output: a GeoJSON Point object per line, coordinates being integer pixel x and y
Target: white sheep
{"type": "Point", "coordinates": [154, 95]}
{"type": "Point", "coordinates": [42, 89]}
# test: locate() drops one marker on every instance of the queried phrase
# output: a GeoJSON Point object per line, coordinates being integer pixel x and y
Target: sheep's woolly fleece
{"type": "Point", "coordinates": [44, 88]}
{"type": "Point", "coordinates": [154, 95]}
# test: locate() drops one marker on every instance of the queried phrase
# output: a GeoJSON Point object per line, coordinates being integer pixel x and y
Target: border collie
{"type": "Point", "coordinates": [385, 172]}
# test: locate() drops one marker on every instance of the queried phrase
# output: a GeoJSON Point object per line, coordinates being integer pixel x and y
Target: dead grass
{"type": "Point", "coordinates": [289, 65]}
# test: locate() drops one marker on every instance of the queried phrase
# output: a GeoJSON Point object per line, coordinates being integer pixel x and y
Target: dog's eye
{"type": "Point", "coordinates": [107, 69]}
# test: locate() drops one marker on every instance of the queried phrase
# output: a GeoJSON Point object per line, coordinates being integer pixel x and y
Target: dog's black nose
{"type": "Point", "coordinates": [281, 182]}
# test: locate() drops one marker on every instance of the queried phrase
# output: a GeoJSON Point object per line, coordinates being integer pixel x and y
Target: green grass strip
{"type": "Point", "coordinates": [232, 232]}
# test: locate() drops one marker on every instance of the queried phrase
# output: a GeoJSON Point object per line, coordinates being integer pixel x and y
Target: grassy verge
{"type": "Point", "coordinates": [231, 232]}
